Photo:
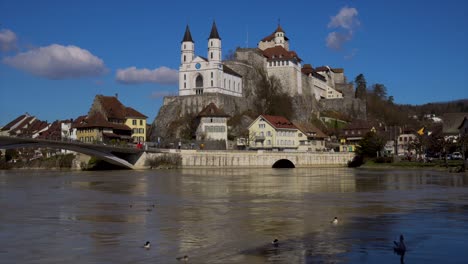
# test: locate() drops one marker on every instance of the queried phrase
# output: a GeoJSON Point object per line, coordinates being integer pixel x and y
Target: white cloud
{"type": "Point", "coordinates": [161, 75]}
{"type": "Point", "coordinates": [58, 62]}
{"type": "Point", "coordinates": [335, 40]}
{"type": "Point", "coordinates": [346, 18]}
{"type": "Point", "coordinates": [7, 40]}
{"type": "Point", "coordinates": [346, 22]}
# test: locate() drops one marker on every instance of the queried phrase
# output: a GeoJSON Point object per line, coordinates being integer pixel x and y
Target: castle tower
{"type": "Point", "coordinates": [187, 47]}
{"type": "Point", "coordinates": [279, 36]}
{"type": "Point", "coordinates": [214, 45]}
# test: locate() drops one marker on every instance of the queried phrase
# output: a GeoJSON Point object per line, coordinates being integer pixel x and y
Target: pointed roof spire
{"type": "Point", "coordinates": [214, 32]}
{"type": "Point", "coordinates": [279, 28]}
{"type": "Point", "coordinates": [187, 35]}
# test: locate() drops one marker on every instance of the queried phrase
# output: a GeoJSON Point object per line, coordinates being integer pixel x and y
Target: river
{"type": "Point", "coordinates": [232, 215]}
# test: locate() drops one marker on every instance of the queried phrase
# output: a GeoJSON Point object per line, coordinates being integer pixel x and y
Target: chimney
{"type": "Point", "coordinates": [116, 95]}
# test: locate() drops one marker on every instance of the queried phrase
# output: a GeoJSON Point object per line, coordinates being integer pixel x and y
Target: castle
{"type": "Point", "coordinates": [199, 75]}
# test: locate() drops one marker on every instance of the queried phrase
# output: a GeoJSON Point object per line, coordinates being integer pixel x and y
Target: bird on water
{"type": "Point", "coordinates": [275, 242]}
{"type": "Point", "coordinates": [184, 258]}
{"type": "Point", "coordinates": [335, 221]}
{"type": "Point", "coordinates": [400, 247]}
{"type": "Point", "coordinates": [147, 245]}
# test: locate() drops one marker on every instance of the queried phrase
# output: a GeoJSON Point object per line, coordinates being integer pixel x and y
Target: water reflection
{"type": "Point", "coordinates": [231, 216]}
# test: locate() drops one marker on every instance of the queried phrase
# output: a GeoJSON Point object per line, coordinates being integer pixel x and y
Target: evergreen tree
{"type": "Point", "coordinates": [361, 87]}
{"type": "Point", "coordinates": [380, 91]}
{"type": "Point", "coordinates": [369, 145]}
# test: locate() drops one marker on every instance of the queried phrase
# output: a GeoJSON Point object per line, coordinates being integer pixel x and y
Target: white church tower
{"type": "Point", "coordinates": [187, 48]}
{"type": "Point", "coordinates": [199, 75]}
{"type": "Point", "coordinates": [214, 45]}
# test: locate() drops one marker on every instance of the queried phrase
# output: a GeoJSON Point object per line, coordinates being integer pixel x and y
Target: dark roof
{"type": "Point", "coordinates": [187, 35]}
{"type": "Point", "coordinates": [326, 68]}
{"type": "Point", "coordinates": [114, 109]}
{"type": "Point", "coordinates": [279, 53]}
{"type": "Point", "coordinates": [308, 129]}
{"type": "Point", "coordinates": [212, 110]}
{"type": "Point", "coordinates": [98, 120]}
{"type": "Point", "coordinates": [279, 121]}
{"type": "Point", "coordinates": [78, 120]}
{"type": "Point", "coordinates": [214, 32]}
{"type": "Point", "coordinates": [465, 119]}
{"type": "Point", "coordinates": [12, 123]}
{"type": "Point", "coordinates": [23, 125]}
{"type": "Point", "coordinates": [230, 71]}
{"type": "Point", "coordinates": [272, 35]}
{"type": "Point", "coordinates": [95, 120]}
{"type": "Point", "coordinates": [358, 124]}
{"type": "Point", "coordinates": [451, 121]}
{"type": "Point", "coordinates": [134, 113]}
{"type": "Point", "coordinates": [279, 29]}
{"type": "Point", "coordinates": [307, 69]}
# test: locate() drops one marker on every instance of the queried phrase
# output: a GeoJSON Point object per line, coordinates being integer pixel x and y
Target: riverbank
{"type": "Point", "coordinates": [439, 165]}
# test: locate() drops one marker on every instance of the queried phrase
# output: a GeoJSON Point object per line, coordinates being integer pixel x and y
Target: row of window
{"type": "Point", "coordinates": [280, 133]}
{"type": "Point", "coordinates": [87, 139]}
{"type": "Point", "coordinates": [278, 63]}
{"type": "Point", "coordinates": [138, 131]}
{"type": "Point", "coordinates": [138, 139]}
{"type": "Point", "coordinates": [212, 129]}
{"type": "Point", "coordinates": [352, 132]}
{"type": "Point", "coordinates": [405, 139]}
{"type": "Point", "coordinates": [199, 83]}
{"type": "Point", "coordinates": [86, 130]}
{"type": "Point", "coordinates": [278, 143]}
{"type": "Point", "coordinates": [134, 122]}
{"type": "Point", "coordinates": [217, 120]}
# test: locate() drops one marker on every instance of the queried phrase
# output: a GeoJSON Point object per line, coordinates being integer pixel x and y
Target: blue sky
{"type": "Point", "coordinates": [55, 56]}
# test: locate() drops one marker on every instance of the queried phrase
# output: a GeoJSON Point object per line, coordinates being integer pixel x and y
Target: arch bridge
{"type": "Point", "coordinates": [121, 156]}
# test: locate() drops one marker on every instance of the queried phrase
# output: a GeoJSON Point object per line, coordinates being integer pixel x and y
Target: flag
{"type": "Point", "coordinates": [421, 131]}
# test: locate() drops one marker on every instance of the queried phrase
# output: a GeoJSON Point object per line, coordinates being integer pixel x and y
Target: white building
{"type": "Point", "coordinates": [199, 75]}
{"type": "Point", "coordinates": [405, 142]}
{"type": "Point", "coordinates": [286, 66]}
{"type": "Point", "coordinates": [213, 124]}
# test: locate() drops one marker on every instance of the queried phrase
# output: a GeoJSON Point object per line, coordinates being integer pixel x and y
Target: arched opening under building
{"type": "Point", "coordinates": [283, 164]}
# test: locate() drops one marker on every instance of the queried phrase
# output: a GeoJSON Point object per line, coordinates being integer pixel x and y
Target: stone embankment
{"type": "Point", "coordinates": [251, 159]}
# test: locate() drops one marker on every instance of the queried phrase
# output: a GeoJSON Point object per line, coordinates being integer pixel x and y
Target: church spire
{"type": "Point", "coordinates": [214, 32]}
{"type": "Point", "coordinates": [187, 35]}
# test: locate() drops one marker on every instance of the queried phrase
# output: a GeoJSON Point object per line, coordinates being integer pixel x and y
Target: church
{"type": "Point", "coordinates": [200, 75]}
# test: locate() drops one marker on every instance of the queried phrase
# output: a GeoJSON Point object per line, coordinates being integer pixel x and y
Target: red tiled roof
{"type": "Point", "coordinates": [279, 122]}
{"type": "Point", "coordinates": [78, 121]}
{"type": "Point", "coordinates": [95, 120]}
{"type": "Point", "coordinates": [12, 123]}
{"type": "Point", "coordinates": [23, 125]}
{"type": "Point", "coordinates": [212, 110]}
{"type": "Point", "coordinates": [272, 35]}
{"type": "Point", "coordinates": [112, 107]}
{"type": "Point", "coordinates": [134, 113]}
{"type": "Point", "coordinates": [279, 53]}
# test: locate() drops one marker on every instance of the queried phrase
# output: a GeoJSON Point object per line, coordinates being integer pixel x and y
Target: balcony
{"type": "Point", "coordinates": [259, 138]}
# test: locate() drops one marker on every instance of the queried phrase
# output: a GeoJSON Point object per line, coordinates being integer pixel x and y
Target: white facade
{"type": "Point", "coordinates": [199, 75]}
{"type": "Point", "coordinates": [404, 144]}
{"type": "Point", "coordinates": [212, 128]}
